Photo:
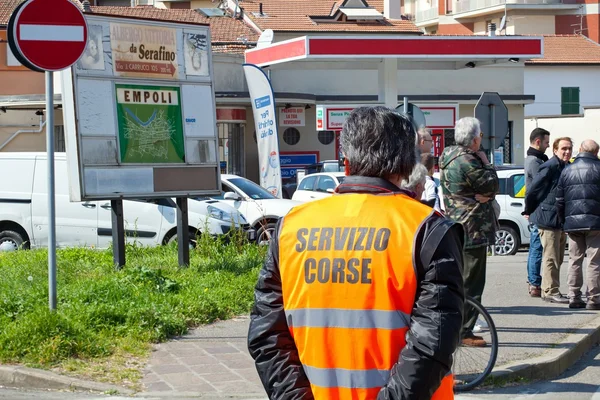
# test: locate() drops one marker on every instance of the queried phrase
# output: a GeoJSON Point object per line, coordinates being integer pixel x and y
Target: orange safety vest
{"type": "Point", "coordinates": [349, 286]}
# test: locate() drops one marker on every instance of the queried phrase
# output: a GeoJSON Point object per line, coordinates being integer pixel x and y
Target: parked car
{"type": "Point", "coordinates": [258, 206]}
{"type": "Point", "coordinates": [290, 185]}
{"type": "Point", "coordinates": [514, 228]}
{"type": "Point", "coordinates": [317, 186]}
{"type": "Point", "coordinates": [24, 211]}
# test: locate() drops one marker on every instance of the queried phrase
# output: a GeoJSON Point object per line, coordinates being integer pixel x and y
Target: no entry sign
{"type": "Point", "coordinates": [47, 35]}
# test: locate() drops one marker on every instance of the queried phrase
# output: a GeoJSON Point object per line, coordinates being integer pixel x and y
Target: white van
{"type": "Point", "coordinates": [24, 211]}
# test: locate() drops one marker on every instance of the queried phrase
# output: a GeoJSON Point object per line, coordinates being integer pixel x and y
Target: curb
{"type": "Point", "coordinates": [556, 361]}
{"type": "Point", "coordinates": [31, 378]}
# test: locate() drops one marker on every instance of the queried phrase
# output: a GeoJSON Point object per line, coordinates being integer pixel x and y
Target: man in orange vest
{"type": "Point", "coordinates": [361, 294]}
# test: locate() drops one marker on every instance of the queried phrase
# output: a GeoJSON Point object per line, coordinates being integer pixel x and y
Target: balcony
{"type": "Point", "coordinates": [430, 14]}
{"type": "Point", "coordinates": [464, 6]}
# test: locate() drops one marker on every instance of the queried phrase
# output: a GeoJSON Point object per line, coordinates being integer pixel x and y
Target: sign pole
{"type": "Point", "coordinates": [492, 132]}
{"type": "Point", "coordinates": [492, 145]}
{"type": "Point", "coordinates": [118, 233]}
{"type": "Point", "coordinates": [183, 233]}
{"type": "Point", "coordinates": [51, 190]}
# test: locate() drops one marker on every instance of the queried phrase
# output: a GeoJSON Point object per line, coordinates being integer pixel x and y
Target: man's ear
{"type": "Point", "coordinates": [346, 167]}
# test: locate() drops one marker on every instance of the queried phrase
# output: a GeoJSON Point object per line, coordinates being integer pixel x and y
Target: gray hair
{"type": "Point", "coordinates": [423, 131]}
{"type": "Point", "coordinates": [379, 142]}
{"type": "Point", "coordinates": [466, 130]}
{"type": "Point", "coordinates": [418, 175]}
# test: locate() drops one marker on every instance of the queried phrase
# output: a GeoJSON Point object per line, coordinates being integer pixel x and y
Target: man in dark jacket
{"type": "Point", "coordinates": [539, 140]}
{"type": "Point", "coordinates": [541, 209]}
{"type": "Point", "coordinates": [578, 204]}
{"type": "Point", "coordinates": [333, 329]}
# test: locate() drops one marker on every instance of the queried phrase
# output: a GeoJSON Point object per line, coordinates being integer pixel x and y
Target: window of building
{"type": "Point", "coordinates": [569, 100]}
{"type": "Point", "coordinates": [487, 25]}
{"type": "Point", "coordinates": [181, 5]}
{"type": "Point", "coordinates": [507, 145]}
{"type": "Point", "coordinates": [291, 136]}
{"type": "Point", "coordinates": [59, 139]}
{"type": "Point", "coordinates": [326, 137]}
{"type": "Point", "coordinates": [231, 147]}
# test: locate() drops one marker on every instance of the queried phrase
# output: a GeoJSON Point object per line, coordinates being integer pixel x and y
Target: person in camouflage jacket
{"type": "Point", "coordinates": [469, 186]}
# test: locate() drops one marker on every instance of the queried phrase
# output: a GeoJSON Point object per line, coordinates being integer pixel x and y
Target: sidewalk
{"type": "Point", "coordinates": [214, 360]}
{"type": "Point", "coordinates": [537, 340]}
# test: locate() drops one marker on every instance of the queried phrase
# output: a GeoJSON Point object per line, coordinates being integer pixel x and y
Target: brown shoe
{"type": "Point", "coordinates": [535, 291]}
{"type": "Point", "coordinates": [474, 341]}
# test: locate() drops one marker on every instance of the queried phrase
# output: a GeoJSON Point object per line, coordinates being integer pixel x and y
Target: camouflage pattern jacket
{"type": "Point", "coordinates": [463, 175]}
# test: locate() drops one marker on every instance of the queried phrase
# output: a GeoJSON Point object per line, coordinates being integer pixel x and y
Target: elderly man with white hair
{"type": "Point", "coordinates": [469, 184]}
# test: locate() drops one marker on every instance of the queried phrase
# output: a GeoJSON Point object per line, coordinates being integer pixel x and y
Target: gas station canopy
{"type": "Point", "coordinates": [390, 53]}
{"type": "Point", "coordinates": [407, 49]}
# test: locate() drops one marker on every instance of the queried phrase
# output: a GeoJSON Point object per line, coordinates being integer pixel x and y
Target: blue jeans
{"type": "Point", "coordinates": [534, 261]}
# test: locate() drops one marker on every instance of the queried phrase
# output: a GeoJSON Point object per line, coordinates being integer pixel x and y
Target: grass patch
{"type": "Point", "coordinates": [106, 320]}
{"type": "Point", "coordinates": [492, 382]}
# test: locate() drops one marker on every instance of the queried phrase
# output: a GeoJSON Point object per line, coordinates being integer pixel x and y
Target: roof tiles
{"type": "Point", "coordinates": [288, 16]}
{"type": "Point", "coordinates": [568, 49]}
{"type": "Point", "coordinates": [223, 29]}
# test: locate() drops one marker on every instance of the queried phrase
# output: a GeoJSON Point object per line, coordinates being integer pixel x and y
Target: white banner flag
{"type": "Point", "coordinates": [263, 106]}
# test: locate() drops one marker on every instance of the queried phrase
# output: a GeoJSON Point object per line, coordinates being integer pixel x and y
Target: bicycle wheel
{"type": "Point", "coordinates": [473, 364]}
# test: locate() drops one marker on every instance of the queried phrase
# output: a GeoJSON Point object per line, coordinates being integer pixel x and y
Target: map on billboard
{"type": "Point", "coordinates": [150, 124]}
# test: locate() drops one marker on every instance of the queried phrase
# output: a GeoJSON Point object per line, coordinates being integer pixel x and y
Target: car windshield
{"type": "Point", "coordinates": [251, 189]}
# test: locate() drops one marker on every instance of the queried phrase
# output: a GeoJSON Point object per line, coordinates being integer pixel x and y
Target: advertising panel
{"type": "Point", "coordinates": [139, 112]}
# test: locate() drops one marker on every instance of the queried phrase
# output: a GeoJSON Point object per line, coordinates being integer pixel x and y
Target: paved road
{"type": "Point", "coordinates": [580, 382]}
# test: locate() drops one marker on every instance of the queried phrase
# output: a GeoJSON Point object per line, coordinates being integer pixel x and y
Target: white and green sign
{"type": "Point", "coordinates": [150, 124]}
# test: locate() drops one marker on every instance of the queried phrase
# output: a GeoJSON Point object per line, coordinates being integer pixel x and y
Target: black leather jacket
{"type": "Point", "coordinates": [541, 197]}
{"type": "Point", "coordinates": [578, 194]}
{"type": "Point", "coordinates": [435, 321]}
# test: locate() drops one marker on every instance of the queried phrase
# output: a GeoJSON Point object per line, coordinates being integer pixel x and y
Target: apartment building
{"type": "Point", "coordinates": [510, 17]}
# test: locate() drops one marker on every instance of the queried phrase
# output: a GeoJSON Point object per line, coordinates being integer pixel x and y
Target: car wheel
{"type": "Point", "coordinates": [173, 239]}
{"type": "Point", "coordinates": [507, 241]}
{"type": "Point", "coordinates": [265, 232]}
{"type": "Point", "coordinates": [11, 241]}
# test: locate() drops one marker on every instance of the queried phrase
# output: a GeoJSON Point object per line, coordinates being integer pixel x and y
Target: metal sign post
{"type": "Point", "coordinates": [183, 233]}
{"type": "Point", "coordinates": [118, 233]}
{"type": "Point", "coordinates": [48, 35]}
{"type": "Point", "coordinates": [492, 133]}
{"type": "Point", "coordinates": [51, 190]}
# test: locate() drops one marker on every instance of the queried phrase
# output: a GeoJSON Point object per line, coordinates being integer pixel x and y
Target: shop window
{"type": "Point", "coordinates": [291, 136]}
{"type": "Point", "coordinates": [231, 147]}
{"type": "Point", "coordinates": [569, 100]}
{"type": "Point", "coordinates": [326, 137]}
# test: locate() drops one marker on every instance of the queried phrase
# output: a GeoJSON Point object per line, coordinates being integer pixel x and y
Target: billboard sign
{"type": "Point", "coordinates": [139, 112]}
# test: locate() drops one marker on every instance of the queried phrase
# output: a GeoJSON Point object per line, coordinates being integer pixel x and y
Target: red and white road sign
{"type": "Point", "coordinates": [48, 35]}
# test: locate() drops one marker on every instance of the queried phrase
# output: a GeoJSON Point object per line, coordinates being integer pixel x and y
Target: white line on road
{"type": "Point", "coordinates": [51, 33]}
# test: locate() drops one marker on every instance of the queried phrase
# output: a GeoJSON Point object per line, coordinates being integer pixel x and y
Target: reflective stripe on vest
{"type": "Point", "coordinates": [349, 284]}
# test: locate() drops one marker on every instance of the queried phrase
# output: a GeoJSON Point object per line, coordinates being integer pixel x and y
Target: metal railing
{"type": "Point", "coordinates": [426, 15]}
{"type": "Point", "coordinates": [461, 6]}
